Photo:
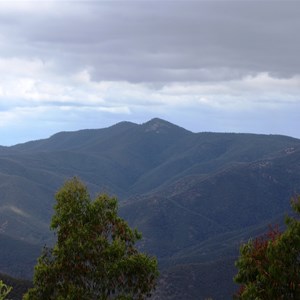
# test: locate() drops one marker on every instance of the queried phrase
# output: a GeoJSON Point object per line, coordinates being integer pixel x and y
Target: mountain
{"type": "Point", "coordinates": [194, 196]}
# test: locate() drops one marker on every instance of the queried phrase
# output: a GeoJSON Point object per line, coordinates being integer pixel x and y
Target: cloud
{"type": "Point", "coordinates": [77, 64]}
{"type": "Point", "coordinates": [161, 41]}
{"type": "Point", "coordinates": [79, 91]}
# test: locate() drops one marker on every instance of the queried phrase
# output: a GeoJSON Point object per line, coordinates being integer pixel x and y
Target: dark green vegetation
{"type": "Point", "coordinates": [19, 287]}
{"type": "Point", "coordinates": [195, 196]}
{"type": "Point", "coordinates": [269, 266]}
{"type": "Point", "coordinates": [95, 256]}
{"type": "Point", "coordinates": [4, 290]}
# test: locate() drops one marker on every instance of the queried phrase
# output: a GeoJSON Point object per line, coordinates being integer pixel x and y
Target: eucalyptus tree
{"type": "Point", "coordinates": [269, 266]}
{"type": "Point", "coordinates": [95, 256]}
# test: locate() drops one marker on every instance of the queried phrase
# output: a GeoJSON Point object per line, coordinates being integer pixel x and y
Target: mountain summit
{"type": "Point", "coordinates": [160, 126]}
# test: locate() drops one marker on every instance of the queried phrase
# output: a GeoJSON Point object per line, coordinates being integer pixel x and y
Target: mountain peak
{"type": "Point", "coordinates": [159, 126]}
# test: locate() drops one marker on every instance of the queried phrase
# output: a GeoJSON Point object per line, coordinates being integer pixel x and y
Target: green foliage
{"type": "Point", "coordinates": [95, 255]}
{"type": "Point", "coordinates": [19, 286]}
{"type": "Point", "coordinates": [269, 267]}
{"type": "Point", "coordinates": [4, 290]}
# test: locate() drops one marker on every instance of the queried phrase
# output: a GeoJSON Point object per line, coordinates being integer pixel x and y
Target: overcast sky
{"type": "Point", "coordinates": [226, 66]}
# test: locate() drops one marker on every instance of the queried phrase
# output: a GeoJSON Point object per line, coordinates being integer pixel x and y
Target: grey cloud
{"type": "Point", "coordinates": [155, 41]}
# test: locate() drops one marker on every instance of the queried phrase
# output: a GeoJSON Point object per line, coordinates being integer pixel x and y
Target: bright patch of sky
{"type": "Point", "coordinates": [229, 66]}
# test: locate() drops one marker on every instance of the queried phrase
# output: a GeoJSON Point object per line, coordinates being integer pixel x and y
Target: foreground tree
{"type": "Point", "coordinates": [269, 266]}
{"type": "Point", "coordinates": [4, 290]}
{"type": "Point", "coordinates": [95, 255]}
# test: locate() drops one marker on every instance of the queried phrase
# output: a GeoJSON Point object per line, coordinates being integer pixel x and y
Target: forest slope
{"type": "Point", "coordinates": [189, 193]}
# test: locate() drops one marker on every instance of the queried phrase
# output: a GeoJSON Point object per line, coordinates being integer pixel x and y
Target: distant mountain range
{"type": "Point", "coordinates": [194, 196]}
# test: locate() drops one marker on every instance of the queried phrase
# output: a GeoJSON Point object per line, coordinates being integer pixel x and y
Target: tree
{"type": "Point", "coordinates": [95, 255]}
{"type": "Point", "coordinates": [4, 290]}
{"type": "Point", "coordinates": [269, 266]}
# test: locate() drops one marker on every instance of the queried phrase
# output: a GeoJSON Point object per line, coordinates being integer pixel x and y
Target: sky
{"type": "Point", "coordinates": [220, 66]}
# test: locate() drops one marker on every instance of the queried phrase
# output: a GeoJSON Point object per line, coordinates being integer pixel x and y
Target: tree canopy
{"type": "Point", "coordinates": [95, 256]}
{"type": "Point", "coordinates": [269, 266]}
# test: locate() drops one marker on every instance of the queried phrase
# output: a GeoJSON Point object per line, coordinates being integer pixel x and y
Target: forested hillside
{"type": "Point", "coordinates": [194, 196]}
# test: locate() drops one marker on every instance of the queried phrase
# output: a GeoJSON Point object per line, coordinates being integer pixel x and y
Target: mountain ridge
{"type": "Point", "coordinates": [186, 192]}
